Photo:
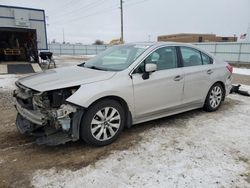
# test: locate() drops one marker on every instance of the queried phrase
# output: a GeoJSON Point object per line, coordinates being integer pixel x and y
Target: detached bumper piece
{"type": "Point", "coordinates": [236, 89]}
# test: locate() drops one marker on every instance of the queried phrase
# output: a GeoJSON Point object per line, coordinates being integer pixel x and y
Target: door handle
{"type": "Point", "coordinates": [210, 71]}
{"type": "Point", "coordinates": [177, 78]}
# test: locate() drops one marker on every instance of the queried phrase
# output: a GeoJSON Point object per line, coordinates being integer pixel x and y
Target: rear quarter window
{"type": "Point", "coordinates": [206, 59]}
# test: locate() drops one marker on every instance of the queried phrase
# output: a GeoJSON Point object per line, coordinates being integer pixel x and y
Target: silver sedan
{"type": "Point", "coordinates": [125, 85]}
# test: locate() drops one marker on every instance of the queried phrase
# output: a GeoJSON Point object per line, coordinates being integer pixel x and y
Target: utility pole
{"type": "Point", "coordinates": [63, 37]}
{"type": "Point", "coordinates": [248, 32]}
{"type": "Point", "coordinates": [121, 7]}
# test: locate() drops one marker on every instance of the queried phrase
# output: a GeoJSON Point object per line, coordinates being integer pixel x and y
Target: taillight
{"type": "Point", "coordinates": [230, 68]}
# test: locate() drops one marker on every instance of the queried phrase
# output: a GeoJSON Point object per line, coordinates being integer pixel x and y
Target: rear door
{"type": "Point", "coordinates": [197, 69]}
{"type": "Point", "coordinates": [163, 90]}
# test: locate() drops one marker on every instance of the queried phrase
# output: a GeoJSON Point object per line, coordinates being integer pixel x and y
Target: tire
{"type": "Point", "coordinates": [214, 98]}
{"type": "Point", "coordinates": [102, 123]}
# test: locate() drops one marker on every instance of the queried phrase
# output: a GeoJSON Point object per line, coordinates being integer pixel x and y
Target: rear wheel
{"type": "Point", "coordinates": [102, 123]}
{"type": "Point", "coordinates": [214, 98]}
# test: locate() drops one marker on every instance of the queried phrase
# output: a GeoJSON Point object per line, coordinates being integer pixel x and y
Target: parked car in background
{"type": "Point", "coordinates": [125, 85]}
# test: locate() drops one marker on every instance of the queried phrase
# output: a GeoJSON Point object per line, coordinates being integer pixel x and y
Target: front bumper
{"type": "Point", "coordinates": [53, 127]}
{"type": "Point", "coordinates": [33, 116]}
{"type": "Point", "coordinates": [52, 123]}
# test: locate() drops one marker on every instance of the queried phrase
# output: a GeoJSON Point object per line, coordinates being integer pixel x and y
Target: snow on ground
{"type": "Point", "coordinates": [243, 71]}
{"type": "Point", "coordinates": [68, 60]}
{"type": "Point", "coordinates": [196, 150]}
{"type": "Point", "coordinates": [7, 81]}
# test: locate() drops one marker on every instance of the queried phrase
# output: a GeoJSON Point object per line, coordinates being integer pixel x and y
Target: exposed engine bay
{"type": "Point", "coordinates": [47, 114]}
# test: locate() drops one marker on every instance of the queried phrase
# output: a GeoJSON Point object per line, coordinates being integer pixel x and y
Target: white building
{"type": "Point", "coordinates": [22, 32]}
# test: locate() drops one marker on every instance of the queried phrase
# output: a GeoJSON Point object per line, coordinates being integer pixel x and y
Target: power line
{"type": "Point", "coordinates": [62, 6]}
{"type": "Point", "coordinates": [88, 15]}
{"type": "Point", "coordinates": [83, 8]}
{"type": "Point", "coordinates": [107, 10]}
{"type": "Point", "coordinates": [91, 6]}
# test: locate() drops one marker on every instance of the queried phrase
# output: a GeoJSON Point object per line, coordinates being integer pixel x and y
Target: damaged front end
{"type": "Point", "coordinates": [47, 115]}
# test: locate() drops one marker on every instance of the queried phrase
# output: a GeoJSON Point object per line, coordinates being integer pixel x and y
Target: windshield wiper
{"type": "Point", "coordinates": [96, 68]}
{"type": "Point", "coordinates": [81, 64]}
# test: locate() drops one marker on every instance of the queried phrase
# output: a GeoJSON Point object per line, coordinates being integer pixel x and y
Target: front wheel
{"type": "Point", "coordinates": [102, 123]}
{"type": "Point", "coordinates": [214, 98]}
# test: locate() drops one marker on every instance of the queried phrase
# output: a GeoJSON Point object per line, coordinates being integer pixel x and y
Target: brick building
{"type": "Point", "coordinates": [194, 37]}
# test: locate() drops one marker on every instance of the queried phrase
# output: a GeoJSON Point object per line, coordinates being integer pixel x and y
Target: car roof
{"type": "Point", "coordinates": [159, 43]}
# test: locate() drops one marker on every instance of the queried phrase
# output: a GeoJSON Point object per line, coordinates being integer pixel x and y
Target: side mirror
{"type": "Point", "coordinates": [150, 67]}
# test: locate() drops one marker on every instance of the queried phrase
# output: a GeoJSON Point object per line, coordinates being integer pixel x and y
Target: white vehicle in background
{"type": "Point", "coordinates": [125, 85]}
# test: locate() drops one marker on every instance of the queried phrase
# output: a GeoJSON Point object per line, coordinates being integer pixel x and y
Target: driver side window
{"type": "Point", "coordinates": [164, 58]}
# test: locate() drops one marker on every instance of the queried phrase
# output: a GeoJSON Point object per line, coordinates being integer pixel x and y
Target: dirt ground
{"type": "Point", "coordinates": [20, 156]}
{"type": "Point", "coordinates": [241, 79]}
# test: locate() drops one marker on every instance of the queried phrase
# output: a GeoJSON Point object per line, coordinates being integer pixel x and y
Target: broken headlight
{"type": "Point", "coordinates": [58, 97]}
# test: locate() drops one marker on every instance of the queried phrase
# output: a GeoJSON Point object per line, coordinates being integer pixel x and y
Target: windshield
{"type": "Point", "coordinates": [116, 58]}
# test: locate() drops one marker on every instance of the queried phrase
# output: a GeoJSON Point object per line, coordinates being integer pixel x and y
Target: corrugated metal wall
{"type": "Point", "coordinates": [230, 51]}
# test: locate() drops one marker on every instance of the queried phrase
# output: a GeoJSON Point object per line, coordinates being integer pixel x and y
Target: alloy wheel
{"type": "Point", "coordinates": [105, 123]}
{"type": "Point", "coordinates": [215, 97]}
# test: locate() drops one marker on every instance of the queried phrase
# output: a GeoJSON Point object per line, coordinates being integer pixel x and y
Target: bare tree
{"type": "Point", "coordinates": [98, 42]}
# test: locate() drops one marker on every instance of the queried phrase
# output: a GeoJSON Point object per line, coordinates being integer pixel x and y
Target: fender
{"type": "Point", "coordinates": [89, 93]}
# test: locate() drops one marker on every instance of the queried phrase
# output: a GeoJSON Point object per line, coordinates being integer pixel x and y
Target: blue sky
{"type": "Point", "coordinates": [87, 20]}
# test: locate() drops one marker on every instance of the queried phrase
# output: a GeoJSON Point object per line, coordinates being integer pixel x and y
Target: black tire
{"type": "Point", "coordinates": [208, 105]}
{"type": "Point", "coordinates": [91, 115]}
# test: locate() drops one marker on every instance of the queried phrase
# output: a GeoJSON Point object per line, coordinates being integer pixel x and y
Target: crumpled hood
{"type": "Point", "coordinates": [64, 77]}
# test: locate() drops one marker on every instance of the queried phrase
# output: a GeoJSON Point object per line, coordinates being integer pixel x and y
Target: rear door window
{"type": "Point", "coordinates": [190, 56]}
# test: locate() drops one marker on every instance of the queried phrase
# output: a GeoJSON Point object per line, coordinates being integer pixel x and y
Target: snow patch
{"type": "Point", "coordinates": [193, 151]}
{"type": "Point", "coordinates": [8, 81]}
{"type": "Point", "coordinates": [242, 71]}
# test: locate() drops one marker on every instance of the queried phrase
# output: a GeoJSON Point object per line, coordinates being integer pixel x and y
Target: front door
{"type": "Point", "coordinates": [163, 90]}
